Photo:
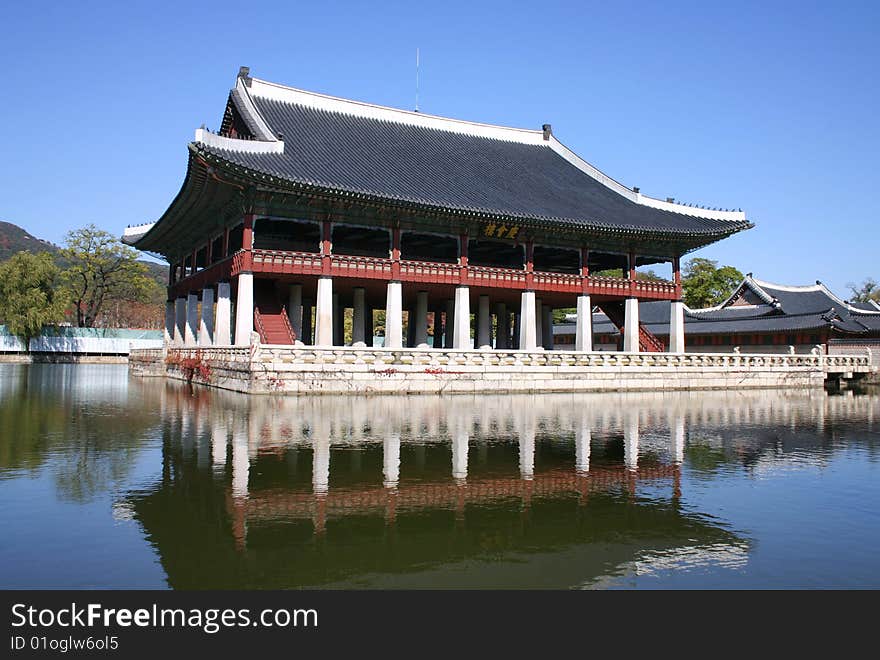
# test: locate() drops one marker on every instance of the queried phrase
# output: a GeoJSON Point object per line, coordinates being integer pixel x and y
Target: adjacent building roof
{"type": "Point", "coordinates": [757, 306]}
{"type": "Point", "coordinates": [283, 136]}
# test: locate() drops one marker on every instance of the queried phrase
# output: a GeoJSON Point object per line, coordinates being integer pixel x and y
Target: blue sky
{"type": "Point", "coordinates": [771, 107]}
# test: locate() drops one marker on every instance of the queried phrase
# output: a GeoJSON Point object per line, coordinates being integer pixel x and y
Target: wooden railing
{"type": "Point", "coordinates": [425, 272]}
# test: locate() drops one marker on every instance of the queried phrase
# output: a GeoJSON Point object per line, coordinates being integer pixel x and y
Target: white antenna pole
{"type": "Point", "coordinates": [417, 79]}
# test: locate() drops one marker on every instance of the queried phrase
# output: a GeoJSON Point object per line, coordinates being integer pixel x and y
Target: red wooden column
{"type": "Point", "coordinates": [226, 242]}
{"type": "Point", "coordinates": [463, 257]}
{"type": "Point", "coordinates": [395, 253]}
{"type": "Point", "coordinates": [585, 270]}
{"type": "Point", "coordinates": [676, 275]}
{"type": "Point", "coordinates": [247, 242]}
{"type": "Point", "coordinates": [632, 274]}
{"type": "Point", "coordinates": [326, 247]}
{"type": "Point", "coordinates": [530, 265]}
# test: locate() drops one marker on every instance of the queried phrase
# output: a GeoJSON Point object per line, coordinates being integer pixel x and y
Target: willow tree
{"type": "Point", "coordinates": [100, 268]}
{"type": "Point", "coordinates": [30, 297]}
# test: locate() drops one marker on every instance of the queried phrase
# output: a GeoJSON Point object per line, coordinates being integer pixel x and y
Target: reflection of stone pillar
{"type": "Point", "coordinates": [631, 326]}
{"type": "Point", "coordinates": [677, 432]}
{"type": "Point", "coordinates": [223, 325]}
{"type": "Point", "coordinates": [583, 335]}
{"type": "Point", "coordinates": [450, 322]}
{"type": "Point", "coordinates": [420, 332]}
{"type": "Point", "coordinates": [179, 321]}
{"type": "Point", "coordinates": [169, 322]}
{"type": "Point", "coordinates": [324, 313]}
{"type": "Point", "coordinates": [460, 455]}
{"type": "Point", "coordinates": [218, 443]}
{"type": "Point", "coordinates": [206, 327]}
{"type": "Point", "coordinates": [676, 326]}
{"type": "Point", "coordinates": [240, 462]}
{"type": "Point", "coordinates": [484, 324]}
{"type": "Point", "coordinates": [295, 310]}
{"type": "Point", "coordinates": [582, 438]}
{"type": "Point", "coordinates": [547, 326]}
{"type": "Point", "coordinates": [391, 460]}
{"type": "Point", "coordinates": [358, 324]}
{"type": "Point", "coordinates": [527, 452]}
{"type": "Point", "coordinates": [320, 463]}
{"type": "Point", "coordinates": [190, 330]}
{"type": "Point", "coordinates": [528, 330]}
{"type": "Point", "coordinates": [502, 326]}
{"type": "Point", "coordinates": [461, 332]}
{"type": "Point", "coordinates": [631, 440]}
{"type": "Point", "coordinates": [394, 316]}
{"type": "Point", "coordinates": [244, 309]}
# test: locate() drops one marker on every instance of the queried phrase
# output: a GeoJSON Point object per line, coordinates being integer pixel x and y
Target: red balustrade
{"type": "Point", "coordinates": [424, 272]}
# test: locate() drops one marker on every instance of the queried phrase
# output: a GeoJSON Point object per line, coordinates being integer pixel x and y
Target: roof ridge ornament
{"type": "Point", "coordinates": [244, 72]}
{"type": "Point", "coordinates": [548, 131]}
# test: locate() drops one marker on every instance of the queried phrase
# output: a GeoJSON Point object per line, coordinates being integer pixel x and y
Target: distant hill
{"type": "Point", "coordinates": [15, 239]}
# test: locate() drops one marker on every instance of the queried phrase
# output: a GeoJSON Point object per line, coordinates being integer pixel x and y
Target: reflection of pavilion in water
{"type": "Point", "coordinates": [262, 492]}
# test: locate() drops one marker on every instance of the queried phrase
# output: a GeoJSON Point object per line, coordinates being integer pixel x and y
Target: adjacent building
{"type": "Point", "coordinates": [758, 317]}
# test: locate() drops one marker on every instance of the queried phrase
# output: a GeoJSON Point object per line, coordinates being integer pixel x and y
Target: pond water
{"type": "Point", "coordinates": [108, 481]}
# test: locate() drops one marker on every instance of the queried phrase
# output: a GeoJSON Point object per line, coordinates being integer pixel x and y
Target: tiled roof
{"type": "Point", "coordinates": [337, 145]}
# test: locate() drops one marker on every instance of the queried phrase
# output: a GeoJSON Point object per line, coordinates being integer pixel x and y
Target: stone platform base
{"type": "Point", "coordinates": [266, 369]}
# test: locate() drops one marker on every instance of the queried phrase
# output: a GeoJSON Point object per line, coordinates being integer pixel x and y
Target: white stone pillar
{"type": "Point", "coordinates": [484, 324]}
{"type": "Point", "coordinates": [337, 326]}
{"type": "Point", "coordinates": [420, 336]}
{"type": "Point", "coordinates": [631, 326]}
{"type": "Point", "coordinates": [307, 322]}
{"type": "Point", "coordinates": [528, 331]}
{"type": "Point", "coordinates": [582, 439]}
{"type": "Point", "coordinates": [450, 324]}
{"type": "Point", "coordinates": [179, 321]}
{"type": "Point", "coordinates": [676, 326]}
{"type": "Point", "coordinates": [358, 323]}
{"type": "Point", "coordinates": [547, 326]}
{"type": "Point", "coordinates": [169, 322]}
{"type": "Point", "coordinates": [223, 324]}
{"type": "Point", "coordinates": [295, 310]}
{"type": "Point", "coordinates": [391, 460]}
{"type": "Point", "coordinates": [324, 313]}
{"type": "Point", "coordinates": [192, 320]}
{"type": "Point", "coordinates": [460, 455]}
{"type": "Point", "coordinates": [206, 326]}
{"type": "Point", "coordinates": [502, 326]}
{"type": "Point", "coordinates": [394, 316]}
{"type": "Point", "coordinates": [461, 332]}
{"type": "Point", "coordinates": [583, 334]}
{"type": "Point", "coordinates": [244, 309]}
{"type": "Point", "coordinates": [539, 322]}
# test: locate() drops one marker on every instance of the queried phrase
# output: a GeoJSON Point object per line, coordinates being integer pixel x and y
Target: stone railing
{"type": "Point", "coordinates": [429, 357]}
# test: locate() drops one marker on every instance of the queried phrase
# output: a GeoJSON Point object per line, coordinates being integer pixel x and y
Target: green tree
{"type": "Point", "coordinates": [100, 269]}
{"type": "Point", "coordinates": [30, 297]}
{"type": "Point", "coordinates": [704, 284]}
{"type": "Point", "coordinates": [867, 291]}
